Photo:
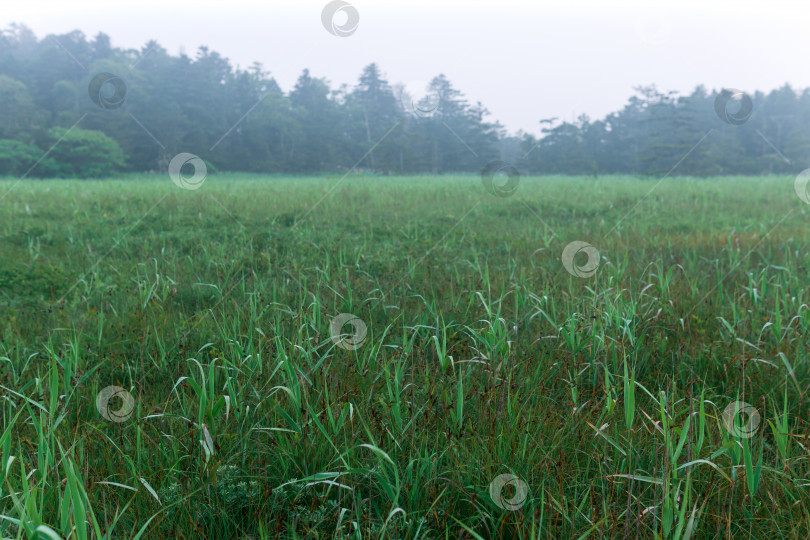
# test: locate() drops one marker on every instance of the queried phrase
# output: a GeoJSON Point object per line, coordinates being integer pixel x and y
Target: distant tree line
{"type": "Point", "coordinates": [70, 106]}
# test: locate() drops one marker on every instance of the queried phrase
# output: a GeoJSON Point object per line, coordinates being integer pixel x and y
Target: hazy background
{"type": "Point", "coordinates": [523, 60]}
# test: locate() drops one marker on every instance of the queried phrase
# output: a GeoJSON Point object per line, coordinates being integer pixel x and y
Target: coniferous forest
{"type": "Point", "coordinates": [157, 105]}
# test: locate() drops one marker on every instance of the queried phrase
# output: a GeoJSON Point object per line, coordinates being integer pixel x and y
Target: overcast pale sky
{"type": "Point", "coordinates": [524, 60]}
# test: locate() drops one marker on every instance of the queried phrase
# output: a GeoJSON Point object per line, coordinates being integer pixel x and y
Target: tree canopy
{"type": "Point", "coordinates": [117, 110]}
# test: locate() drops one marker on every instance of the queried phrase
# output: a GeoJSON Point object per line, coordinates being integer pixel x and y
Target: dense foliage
{"type": "Point", "coordinates": [241, 120]}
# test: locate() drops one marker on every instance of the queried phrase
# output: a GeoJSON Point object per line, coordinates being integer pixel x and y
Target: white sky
{"type": "Point", "coordinates": [524, 60]}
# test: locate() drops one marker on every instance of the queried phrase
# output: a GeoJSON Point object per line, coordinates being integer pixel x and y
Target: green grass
{"type": "Point", "coordinates": [484, 356]}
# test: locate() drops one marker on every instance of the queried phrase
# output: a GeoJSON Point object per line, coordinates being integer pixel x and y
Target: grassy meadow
{"type": "Point", "coordinates": [602, 396]}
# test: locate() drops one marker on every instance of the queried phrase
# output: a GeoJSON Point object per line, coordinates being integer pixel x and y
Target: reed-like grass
{"type": "Point", "coordinates": [483, 356]}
